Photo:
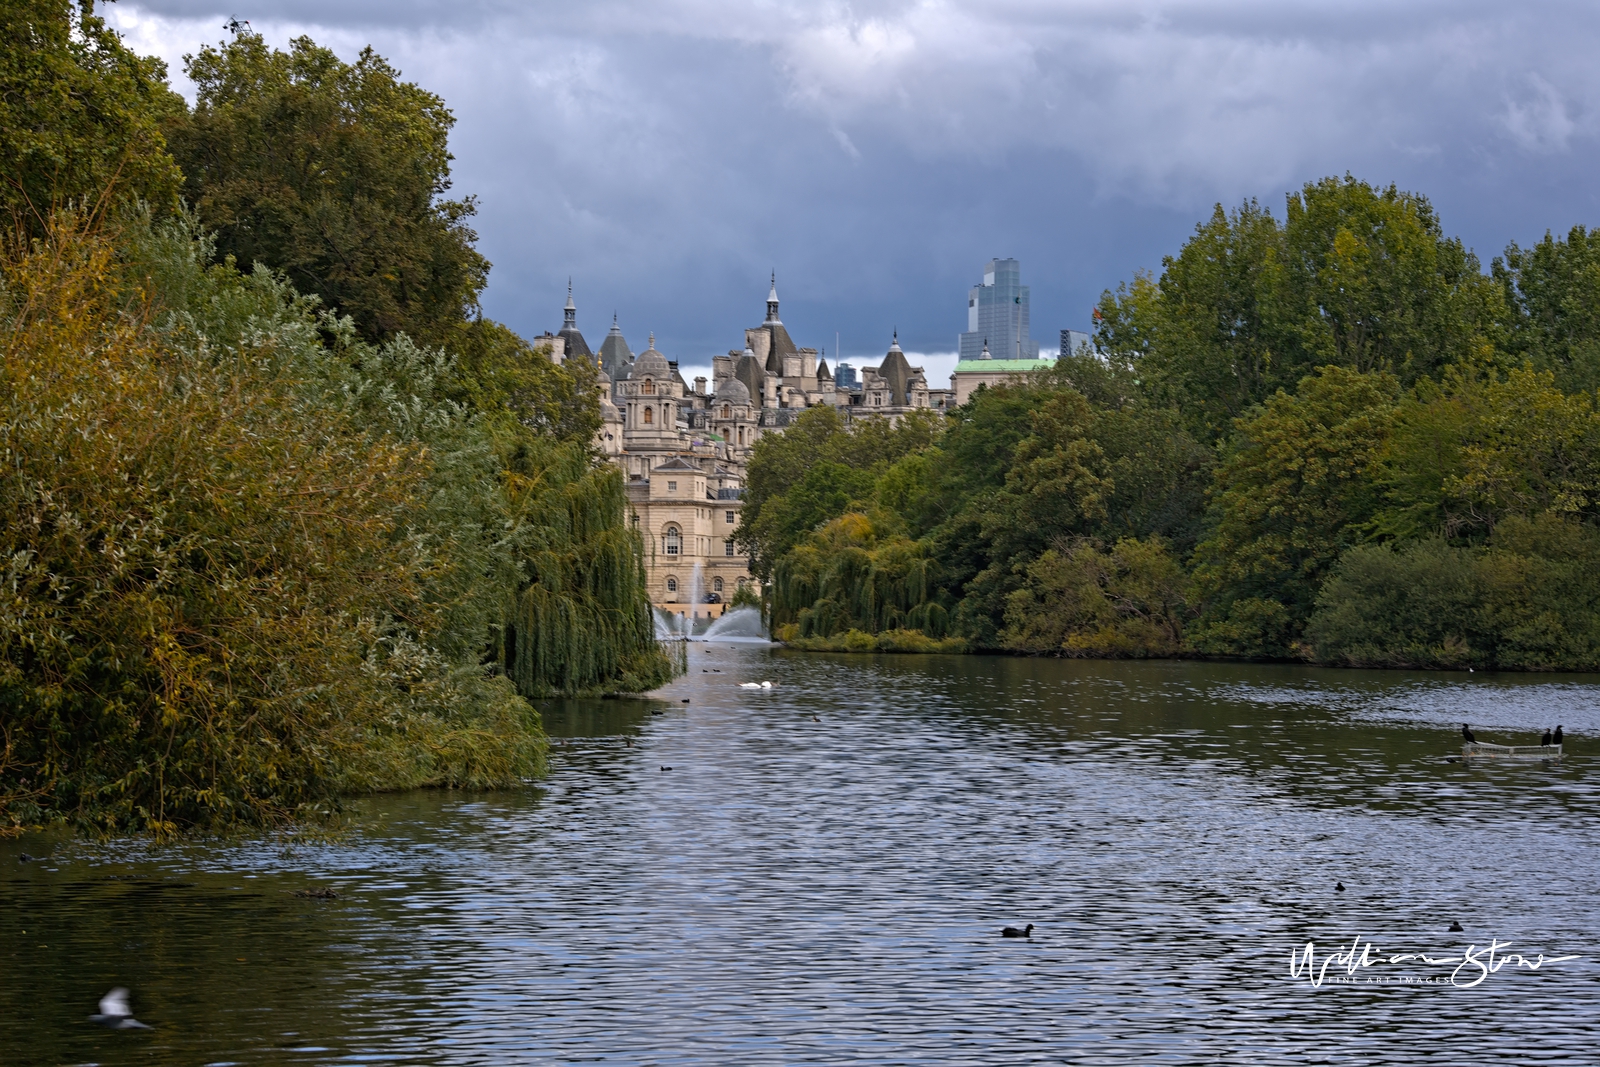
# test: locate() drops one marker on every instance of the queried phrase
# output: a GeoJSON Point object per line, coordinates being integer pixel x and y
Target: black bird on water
{"type": "Point", "coordinates": [1545, 740]}
{"type": "Point", "coordinates": [1557, 738]}
{"type": "Point", "coordinates": [1466, 733]}
{"type": "Point", "coordinates": [1012, 931]}
{"type": "Point", "coordinates": [1338, 887]}
{"type": "Point", "coordinates": [1455, 928]}
{"type": "Point", "coordinates": [114, 1012]}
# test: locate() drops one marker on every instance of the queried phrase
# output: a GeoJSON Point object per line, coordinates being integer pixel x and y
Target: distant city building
{"type": "Point", "coordinates": [987, 370]}
{"type": "Point", "coordinates": [845, 377]}
{"type": "Point", "coordinates": [1072, 340]}
{"type": "Point", "coordinates": [997, 315]}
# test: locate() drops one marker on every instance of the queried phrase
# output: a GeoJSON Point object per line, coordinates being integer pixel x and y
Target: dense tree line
{"type": "Point", "coordinates": [282, 517]}
{"type": "Point", "coordinates": [1332, 436]}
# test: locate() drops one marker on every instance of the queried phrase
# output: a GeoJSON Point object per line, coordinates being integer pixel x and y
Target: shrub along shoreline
{"type": "Point", "coordinates": [262, 549]}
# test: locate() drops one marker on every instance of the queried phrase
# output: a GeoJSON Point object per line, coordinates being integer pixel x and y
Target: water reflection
{"type": "Point", "coordinates": [822, 874]}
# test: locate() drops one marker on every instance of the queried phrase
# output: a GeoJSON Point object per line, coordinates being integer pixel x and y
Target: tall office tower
{"type": "Point", "coordinates": [1072, 340]}
{"type": "Point", "coordinates": [997, 315]}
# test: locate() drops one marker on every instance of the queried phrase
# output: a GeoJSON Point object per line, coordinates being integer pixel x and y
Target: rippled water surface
{"type": "Point", "coordinates": [817, 873]}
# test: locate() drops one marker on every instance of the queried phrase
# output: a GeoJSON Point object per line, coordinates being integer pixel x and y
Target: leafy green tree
{"type": "Point", "coordinates": [1355, 276]}
{"type": "Point", "coordinates": [855, 452]}
{"type": "Point", "coordinates": [1084, 600]}
{"type": "Point", "coordinates": [333, 173]}
{"type": "Point", "coordinates": [1553, 290]}
{"type": "Point", "coordinates": [1290, 495]}
{"type": "Point", "coordinates": [1468, 452]}
{"type": "Point", "coordinates": [80, 115]}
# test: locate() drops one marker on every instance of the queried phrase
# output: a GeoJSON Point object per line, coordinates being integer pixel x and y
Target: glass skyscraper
{"type": "Point", "coordinates": [997, 315]}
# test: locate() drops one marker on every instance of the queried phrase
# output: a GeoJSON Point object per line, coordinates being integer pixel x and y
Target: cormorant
{"type": "Point", "coordinates": [1338, 887]}
{"type": "Point", "coordinates": [1557, 738]}
{"type": "Point", "coordinates": [1466, 733]}
{"type": "Point", "coordinates": [1012, 931]}
{"type": "Point", "coordinates": [1455, 928]}
{"type": "Point", "coordinates": [1545, 740]}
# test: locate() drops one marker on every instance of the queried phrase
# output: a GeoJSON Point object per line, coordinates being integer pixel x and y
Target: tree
{"type": "Point", "coordinates": [334, 174]}
{"type": "Point", "coordinates": [1290, 494]}
{"type": "Point", "coordinates": [80, 115]}
{"type": "Point", "coordinates": [1553, 290]}
{"type": "Point", "coordinates": [1355, 277]}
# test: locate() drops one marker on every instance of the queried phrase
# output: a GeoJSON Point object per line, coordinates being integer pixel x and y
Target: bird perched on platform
{"type": "Point", "coordinates": [1466, 733]}
{"type": "Point", "coordinates": [1557, 738]}
{"type": "Point", "coordinates": [1545, 740]}
{"type": "Point", "coordinates": [115, 1014]}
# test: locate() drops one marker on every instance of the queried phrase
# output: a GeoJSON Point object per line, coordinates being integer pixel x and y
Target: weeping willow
{"type": "Point", "coordinates": [583, 620]}
{"type": "Point", "coordinates": [846, 576]}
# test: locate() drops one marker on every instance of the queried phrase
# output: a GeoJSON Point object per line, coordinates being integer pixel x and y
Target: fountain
{"type": "Point", "coordinates": [697, 593]}
{"type": "Point", "coordinates": [670, 626]}
{"type": "Point", "coordinates": [740, 624]}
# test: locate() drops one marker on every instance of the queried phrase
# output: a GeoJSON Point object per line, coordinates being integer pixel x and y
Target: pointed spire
{"type": "Point", "coordinates": [772, 300]}
{"type": "Point", "coordinates": [569, 314]}
{"type": "Point", "coordinates": [986, 354]}
{"type": "Point", "coordinates": [894, 345]}
{"type": "Point", "coordinates": [652, 344]}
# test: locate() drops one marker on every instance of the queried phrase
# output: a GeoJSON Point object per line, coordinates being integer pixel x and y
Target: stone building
{"type": "Point", "coordinates": [986, 370]}
{"type": "Point", "coordinates": [683, 453]}
{"type": "Point", "coordinates": [895, 387]}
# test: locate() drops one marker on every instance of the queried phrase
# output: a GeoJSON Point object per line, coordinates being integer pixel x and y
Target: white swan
{"type": "Point", "coordinates": [755, 685]}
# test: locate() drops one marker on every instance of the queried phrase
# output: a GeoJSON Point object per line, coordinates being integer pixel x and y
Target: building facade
{"type": "Point", "coordinates": [986, 370]}
{"type": "Point", "coordinates": [997, 315]}
{"type": "Point", "coordinates": [685, 452]}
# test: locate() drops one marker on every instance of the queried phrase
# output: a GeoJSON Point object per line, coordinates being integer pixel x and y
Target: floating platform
{"type": "Point", "coordinates": [1484, 750]}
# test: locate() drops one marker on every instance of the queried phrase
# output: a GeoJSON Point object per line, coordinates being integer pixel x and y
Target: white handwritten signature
{"type": "Point", "coordinates": [1470, 969]}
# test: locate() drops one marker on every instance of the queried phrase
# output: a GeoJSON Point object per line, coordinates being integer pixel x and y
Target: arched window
{"type": "Point", "coordinates": [672, 542]}
{"type": "Point", "coordinates": [648, 388]}
{"type": "Point", "coordinates": [672, 585]}
{"type": "Point", "coordinates": [649, 416]}
{"type": "Point", "coordinates": [741, 435]}
{"type": "Point", "coordinates": [727, 411]}
{"type": "Point", "coordinates": [716, 585]}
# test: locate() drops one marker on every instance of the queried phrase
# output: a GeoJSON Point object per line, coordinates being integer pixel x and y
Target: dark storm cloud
{"type": "Point", "coordinates": [668, 154]}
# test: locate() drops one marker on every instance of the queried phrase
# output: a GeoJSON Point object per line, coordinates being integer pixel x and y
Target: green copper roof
{"type": "Point", "coordinates": [1002, 366]}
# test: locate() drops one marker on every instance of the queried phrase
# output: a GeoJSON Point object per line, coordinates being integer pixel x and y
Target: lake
{"type": "Point", "coordinates": [818, 873]}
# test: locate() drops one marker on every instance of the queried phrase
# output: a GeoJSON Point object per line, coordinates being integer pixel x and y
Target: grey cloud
{"type": "Point", "coordinates": [669, 153]}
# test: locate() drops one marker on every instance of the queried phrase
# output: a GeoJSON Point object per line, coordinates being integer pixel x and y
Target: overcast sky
{"type": "Point", "coordinates": [667, 154]}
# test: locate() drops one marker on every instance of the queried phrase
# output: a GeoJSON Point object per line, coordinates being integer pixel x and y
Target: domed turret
{"type": "Point", "coordinates": [651, 364]}
{"type": "Point", "coordinates": [733, 391]}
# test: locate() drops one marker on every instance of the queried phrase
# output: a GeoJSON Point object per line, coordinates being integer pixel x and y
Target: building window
{"type": "Point", "coordinates": [649, 416]}
{"type": "Point", "coordinates": [729, 516]}
{"type": "Point", "coordinates": [727, 548]}
{"type": "Point", "coordinates": [672, 543]}
{"type": "Point", "coordinates": [672, 585]}
{"type": "Point", "coordinates": [649, 387]}
{"type": "Point", "coordinates": [716, 585]}
{"type": "Point", "coordinates": [672, 487]}
{"type": "Point", "coordinates": [741, 435]}
{"type": "Point", "coordinates": [727, 411]}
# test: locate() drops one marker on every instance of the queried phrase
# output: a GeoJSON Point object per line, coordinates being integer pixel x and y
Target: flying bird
{"type": "Point", "coordinates": [114, 1012]}
{"type": "Point", "coordinates": [1466, 733]}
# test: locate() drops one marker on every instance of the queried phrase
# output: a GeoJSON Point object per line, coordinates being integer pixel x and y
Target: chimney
{"type": "Point", "coordinates": [700, 386]}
